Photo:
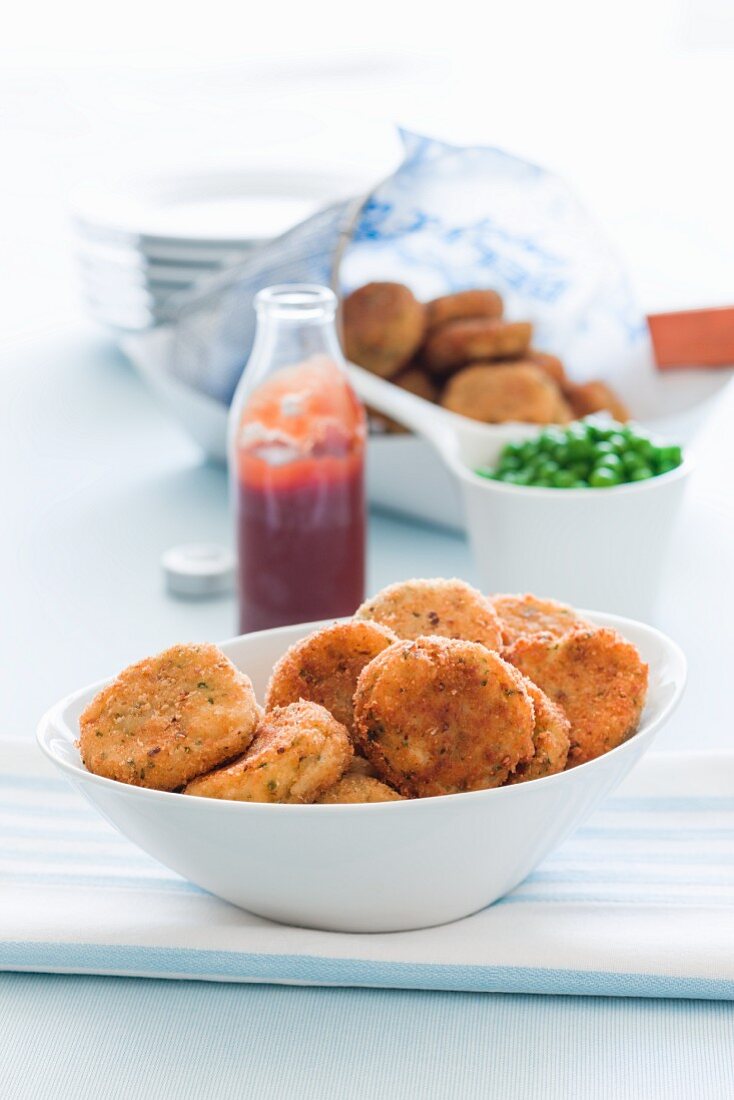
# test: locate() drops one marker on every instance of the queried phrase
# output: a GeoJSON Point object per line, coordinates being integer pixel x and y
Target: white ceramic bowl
{"type": "Point", "coordinates": [586, 546]}
{"type": "Point", "coordinates": [364, 868]}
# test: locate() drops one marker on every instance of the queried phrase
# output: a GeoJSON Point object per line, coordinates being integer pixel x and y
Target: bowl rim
{"type": "Point", "coordinates": [52, 724]}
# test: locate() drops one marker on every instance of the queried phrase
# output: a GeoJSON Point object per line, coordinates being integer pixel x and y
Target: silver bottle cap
{"type": "Point", "coordinates": [199, 570]}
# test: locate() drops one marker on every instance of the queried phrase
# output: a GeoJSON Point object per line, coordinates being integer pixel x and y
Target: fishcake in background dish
{"type": "Point", "coordinates": [460, 342]}
{"type": "Point", "coordinates": [383, 326]}
{"type": "Point", "coordinates": [463, 305]}
{"type": "Point", "coordinates": [495, 394]}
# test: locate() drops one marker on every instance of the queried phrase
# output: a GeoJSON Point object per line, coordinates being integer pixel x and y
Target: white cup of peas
{"type": "Point", "coordinates": [583, 512]}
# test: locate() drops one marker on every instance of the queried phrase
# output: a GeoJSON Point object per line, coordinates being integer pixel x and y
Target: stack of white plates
{"type": "Point", "coordinates": [140, 247]}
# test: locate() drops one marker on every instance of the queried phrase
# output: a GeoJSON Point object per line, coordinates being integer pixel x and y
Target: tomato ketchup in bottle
{"type": "Point", "coordinates": [297, 440]}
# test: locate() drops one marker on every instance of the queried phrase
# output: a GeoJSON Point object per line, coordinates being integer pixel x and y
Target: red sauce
{"type": "Point", "coordinates": [300, 499]}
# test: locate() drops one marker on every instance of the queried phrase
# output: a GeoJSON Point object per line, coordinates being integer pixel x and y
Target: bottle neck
{"type": "Point", "coordinates": [285, 342]}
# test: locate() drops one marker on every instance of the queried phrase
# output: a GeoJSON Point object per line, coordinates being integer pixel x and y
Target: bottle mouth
{"type": "Point", "coordinates": [296, 300]}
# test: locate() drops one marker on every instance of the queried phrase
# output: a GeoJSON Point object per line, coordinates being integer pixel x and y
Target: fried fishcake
{"type": "Point", "coordinates": [445, 608]}
{"type": "Point", "coordinates": [359, 788]}
{"type": "Point", "coordinates": [462, 305]}
{"type": "Point", "coordinates": [551, 738]}
{"type": "Point", "coordinates": [299, 752]}
{"type": "Point", "coordinates": [383, 326]}
{"type": "Point", "coordinates": [360, 765]}
{"type": "Point", "coordinates": [549, 364]}
{"type": "Point", "coordinates": [439, 716]}
{"type": "Point", "coordinates": [459, 342]}
{"type": "Point", "coordinates": [415, 381]}
{"type": "Point", "coordinates": [169, 718]}
{"type": "Point", "coordinates": [593, 397]}
{"type": "Point", "coordinates": [596, 677]}
{"type": "Point", "coordinates": [324, 667]}
{"type": "Point", "coordinates": [522, 616]}
{"type": "Point", "coordinates": [562, 413]}
{"type": "Point", "coordinates": [496, 394]}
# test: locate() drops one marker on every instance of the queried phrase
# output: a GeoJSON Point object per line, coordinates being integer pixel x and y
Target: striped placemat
{"type": "Point", "coordinates": [639, 902]}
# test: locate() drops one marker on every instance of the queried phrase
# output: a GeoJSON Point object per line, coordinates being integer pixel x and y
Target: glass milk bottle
{"type": "Point", "coordinates": [296, 459]}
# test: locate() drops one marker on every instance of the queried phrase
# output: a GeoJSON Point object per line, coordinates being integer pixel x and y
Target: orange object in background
{"type": "Point", "coordinates": [693, 338]}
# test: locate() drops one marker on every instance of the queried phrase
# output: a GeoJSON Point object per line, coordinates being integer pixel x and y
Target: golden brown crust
{"type": "Point", "coordinates": [414, 380]}
{"type": "Point", "coordinates": [299, 752]}
{"type": "Point", "coordinates": [324, 667]}
{"type": "Point", "coordinates": [445, 608]}
{"type": "Point", "coordinates": [562, 413]}
{"type": "Point", "coordinates": [462, 305]}
{"type": "Point", "coordinates": [417, 381]}
{"type": "Point", "coordinates": [551, 739]}
{"type": "Point", "coordinates": [549, 364]}
{"type": "Point", "coordinates": [522, 616]}
{"type": "Point", "coordinates": [497, 394]}
{"type": "Point", "coordinates": [593, 397]}
{"type": "Point", "coordinates": [383, 327]}
{"type": "Point", "coordinates": [596, 677]}
{"type": "Point", "coordinates": [360, 765]}
{"type": "Point", "coordinates": [168, 718]}
{"type": "Point", "coordinates": [459, 342]}
{"type": "Point", "coordinates": [359, 788]}
{"type": "Point", "coordinates": [437, 716]}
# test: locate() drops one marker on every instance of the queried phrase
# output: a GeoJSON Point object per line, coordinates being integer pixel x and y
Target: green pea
{"type": "Point", "coordinates": [564, 479]}
{"type": "Point", "coordinates": [631, 460]}
{"type": "Point", "coordinates": [642, 446]}
{"type": "Point", "coordinates": [641, 473]}
{"type": "Point", "coordinates": [485, 471]}
{"type": "Point", "coordinates": [618, 441]}
{"type": "Point", "coordinates": [598, 431]}
{"type": "Point", "coordinates": [610, 461]}
{"type": "Point", "coordinates": [510, 462]}
{"type": "Point", "coordinates": [579, 484]}
{"type": "Point", "coordinates": [604, 448]}
{"type": "Point", "coordinates": [603, 478]}
{"type": "Point", "coordinates": [548, 469]}
{"type": "Point", "coordinates": [666, 467]}
{"type": "Point", "coordinates": [670, 456]}
{"type": "Point", "coordinates": [579, 449]}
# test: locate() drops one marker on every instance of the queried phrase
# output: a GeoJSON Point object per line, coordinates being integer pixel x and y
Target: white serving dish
{"type": "Point", "coordinates": [404, 473]}
{"type": "Point", "coordinates": [365, 868]}
{"type": "Point", "coordinates": [586, 546]}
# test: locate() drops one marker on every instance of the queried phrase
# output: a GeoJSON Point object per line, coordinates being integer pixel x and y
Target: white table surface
{"type": "Point", "coordinates": [96, 483]}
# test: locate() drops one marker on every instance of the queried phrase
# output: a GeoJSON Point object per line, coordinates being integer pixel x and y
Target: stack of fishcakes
{"type": "Point", "coordinates": [460, 351]}
{"type": "Point", "coordinates": [430, 689]}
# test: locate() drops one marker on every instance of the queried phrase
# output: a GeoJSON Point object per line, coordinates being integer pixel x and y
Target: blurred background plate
{"type": "Point", "coordinates": [153, 237]}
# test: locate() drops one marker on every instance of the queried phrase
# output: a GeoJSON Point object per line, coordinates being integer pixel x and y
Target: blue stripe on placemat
{"type": "Point", "coordinates": [169, 962]}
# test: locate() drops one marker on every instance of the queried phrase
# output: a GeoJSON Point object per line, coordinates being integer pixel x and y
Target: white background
{"type": "Point", "coordinates": [630, 100]}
